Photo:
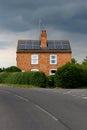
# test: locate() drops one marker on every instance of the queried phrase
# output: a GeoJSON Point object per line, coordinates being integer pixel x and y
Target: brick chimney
{"type": "Point", "coordinates": [43, 38]}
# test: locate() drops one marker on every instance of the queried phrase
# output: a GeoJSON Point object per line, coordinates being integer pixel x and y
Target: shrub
{"type": "Point", "coordinates": [68, 76]}
{"type": "Point", "coordinates": [18, 78]}
{"type": "Point", "coordinates": [32, 78]}
{"type": "Point", "coordinates": [12, 69]}
{"type": "Point", "coordinates": [3, 76]}
{"type": "Point", "coordinates": [50, 81]}
{"type": "Point", "coordinates": [84, 75]}
{"type": "Point", "coordinates": [38, 79]}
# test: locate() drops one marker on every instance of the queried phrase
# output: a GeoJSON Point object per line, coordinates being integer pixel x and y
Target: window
{"type": "Point", "coordinates": [53, 59]}
{"type": "Point", "coordinates": [34, 59]}
{"type": "Point", "coordinates": [34, 70]}
{"type": "Point", "coordinates": [52, 71]}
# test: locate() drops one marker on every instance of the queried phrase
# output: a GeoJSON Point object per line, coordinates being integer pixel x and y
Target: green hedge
{"type": "Point", "coordinates": [30, 78]}
{"type": "Point", "coordinates": [38, 79]}
{"type": "Point", "coordinates": [69, 76]}
{"type": "Point", "coordinates": [3, 76]}
{"type": "Point", "coordinates": [50, 81]}
{"type": "Point", "coordinates": [84, 75]}
{"type": "Point", "coordinates": [12, 69]}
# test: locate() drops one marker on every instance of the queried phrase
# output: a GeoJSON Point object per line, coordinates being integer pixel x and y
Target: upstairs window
{"type": "Point", "coordinates": [34, 59]}
{"type": "Point", "coordinates": [53, 59]}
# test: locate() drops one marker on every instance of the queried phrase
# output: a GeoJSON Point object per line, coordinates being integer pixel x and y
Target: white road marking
{"type": "Point", "coordinates": [25, 99]}
{"type": "Point", "coordinates": [46, 112]}
{"type": "Point", "coordinates": [84, 97]}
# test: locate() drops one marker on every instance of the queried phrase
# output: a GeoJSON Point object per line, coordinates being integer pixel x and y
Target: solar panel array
{"type": "Point", "coordinates": [29, 45]}
{"type": "Point", "coordinates": [58, 45]}
{"type": "Point", "coordinates": [35, 45]}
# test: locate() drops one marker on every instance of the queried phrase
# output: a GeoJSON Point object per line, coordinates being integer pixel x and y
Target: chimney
{"type": "Point", "coordinates": [43, 38]}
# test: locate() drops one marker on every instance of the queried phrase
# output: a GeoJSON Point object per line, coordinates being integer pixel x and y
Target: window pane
{"type": "Point", "coordinates": [53, 61]}
{"type": "Point", "coordinates": [34, 59]}
{"type": "Point", "coordinates": [53, 57]}
{"type": "Point", "coordinates": [52, 72]}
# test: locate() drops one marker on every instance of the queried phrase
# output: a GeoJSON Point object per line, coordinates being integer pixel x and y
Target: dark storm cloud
{"type": "Point", "coordinates": [22, 15]}
{"type": "Point", "coordinates": [23, 19]}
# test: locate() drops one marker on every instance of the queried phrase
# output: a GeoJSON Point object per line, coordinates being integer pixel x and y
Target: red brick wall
{"type": "Point", "coordinates": [24, 61]}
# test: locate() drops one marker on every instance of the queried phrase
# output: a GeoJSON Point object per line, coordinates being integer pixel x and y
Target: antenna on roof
{"type": "Point", "coordinates": [41, 26]}
{"type": "Point", "coordinates": [40, 22]}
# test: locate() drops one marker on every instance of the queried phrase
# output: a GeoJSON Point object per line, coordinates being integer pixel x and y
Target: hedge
{"type": "Point", "coordinates": [69, 76]}
{"type": "Point", "coordinates": [12, 69]}
{"type": "Point", "coordinates": [50, 82]}
{"type": "Point", "coordinates": [30, 78]}
{"type": "Point", "coordinates": [3, 76]}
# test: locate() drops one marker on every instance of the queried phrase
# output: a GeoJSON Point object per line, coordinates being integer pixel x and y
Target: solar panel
{"type": "Point", "coordinates": [28, 45]}
{"type": "Point", "coordinates": [61, 45]}
{"type": "Point", "coordinates": [50, 45]}
{"type": "Point", "coordinates": [54, 45]}
{"type": "Point", "coordinates": [58, 45]}
{"type": "Point", "coordinates": [66, 46]}
{"type": "Point", "coordinates": [35, 45]}
{"type": "Point", "coordinates": [21, 46]}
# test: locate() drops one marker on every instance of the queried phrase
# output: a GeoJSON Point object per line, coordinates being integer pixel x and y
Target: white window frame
{"type": "Point", "coordinates": [34, 59]}
{"type": "Point", "coordinates": [34, 70]}
{"type": "Point", "coordinates": [51, 59]}
{"type": "Point", "coordinates": [51, 72]}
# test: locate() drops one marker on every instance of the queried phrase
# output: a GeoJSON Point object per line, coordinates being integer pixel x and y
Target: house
{"type": "Point", "coordinates": [43, 55]}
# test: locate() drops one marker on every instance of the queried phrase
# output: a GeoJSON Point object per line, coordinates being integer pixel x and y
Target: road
{"type": "Point", "coordinates": [43, 109]}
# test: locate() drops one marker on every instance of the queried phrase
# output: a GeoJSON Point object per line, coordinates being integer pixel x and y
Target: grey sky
{"type": "Point", "coordinates": [63, 19]}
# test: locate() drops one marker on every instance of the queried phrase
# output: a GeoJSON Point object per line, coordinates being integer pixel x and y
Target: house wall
{"type": "Point", "coordinates": [24, 61]}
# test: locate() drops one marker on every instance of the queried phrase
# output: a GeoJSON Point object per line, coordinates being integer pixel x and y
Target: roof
{"type": "Point", "coordinates": [52, 46]}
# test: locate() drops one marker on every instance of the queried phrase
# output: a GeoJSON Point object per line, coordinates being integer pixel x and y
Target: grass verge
{"type": "Point", "coordinates": [19, 85]}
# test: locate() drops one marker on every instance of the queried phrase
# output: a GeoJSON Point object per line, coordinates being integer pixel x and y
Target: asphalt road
{"type": "Point", "coordinates": [43, 109]}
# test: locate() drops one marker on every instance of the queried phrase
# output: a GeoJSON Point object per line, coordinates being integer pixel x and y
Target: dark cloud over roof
{"type": "Point", "coordinates": [63, 20]}
{"type": "Point", "coordinates": [21, 15]}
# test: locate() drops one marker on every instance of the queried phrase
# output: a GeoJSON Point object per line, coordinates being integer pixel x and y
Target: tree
{"type": "Point", "coordinates": [1, 70]}
{"type": "Point", "coordinates": [85, 61]}
{"type": "Point", "coordinates": [74, 61]}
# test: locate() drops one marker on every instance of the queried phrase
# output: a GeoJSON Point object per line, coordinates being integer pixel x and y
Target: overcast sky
{"type": "Point", "coordinates": [63, 20]}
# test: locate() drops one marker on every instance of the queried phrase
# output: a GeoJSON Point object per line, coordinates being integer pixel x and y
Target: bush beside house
{"type": "Point", "coordinates": [69, 76]}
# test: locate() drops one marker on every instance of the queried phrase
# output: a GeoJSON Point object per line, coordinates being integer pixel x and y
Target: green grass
{"type": "Point", "coordinates": [31, 86]}
{"type": "Point", "coordinates": [20, 85]}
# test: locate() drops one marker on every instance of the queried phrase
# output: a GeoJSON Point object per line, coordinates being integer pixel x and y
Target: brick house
{"type": "Point", "coordinates": [43, 55]}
